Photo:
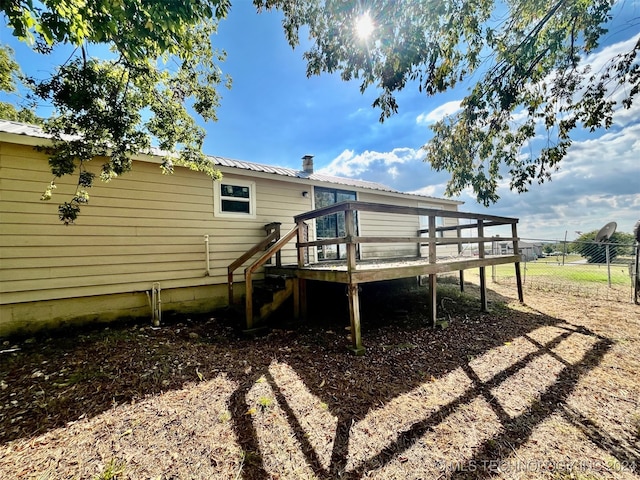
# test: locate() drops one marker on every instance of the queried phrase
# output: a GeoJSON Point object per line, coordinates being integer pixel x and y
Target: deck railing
{"type": "Point", "coordinates": [274, 243]}
{"type": "Point", "coordinates": [274, 249]}
{"type": "Point", "coordinates": [273, 235]}
{"type": "Point", "coordinates": [271, 247]}
{"type": "Point", "coordinates": [477, 221]}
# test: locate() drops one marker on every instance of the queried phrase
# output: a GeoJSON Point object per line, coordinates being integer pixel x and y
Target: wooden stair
{"type": "Point", "coordinates": [268, 296]}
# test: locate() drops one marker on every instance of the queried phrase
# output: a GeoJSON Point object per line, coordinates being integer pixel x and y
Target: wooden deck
{"type": "Point", "coordinates": [385, 269]}
{"type": "Point", "coordinates": [353, 271]}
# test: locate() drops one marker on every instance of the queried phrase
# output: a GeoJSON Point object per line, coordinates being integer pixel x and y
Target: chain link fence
{"type": "Point", "coordinates": [581, 268]}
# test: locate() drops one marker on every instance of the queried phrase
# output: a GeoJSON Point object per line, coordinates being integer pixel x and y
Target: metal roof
{"type": "Point", "coordinates": [290, 172]}
{"type": "Point", "coordinates": [18, 128]}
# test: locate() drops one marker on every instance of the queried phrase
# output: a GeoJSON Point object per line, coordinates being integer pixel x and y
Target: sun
{"type": "Point", "coordinates": [364, 26]}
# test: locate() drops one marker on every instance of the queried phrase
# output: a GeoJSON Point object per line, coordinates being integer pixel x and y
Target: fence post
{"type": "Point", "coordinates": [608, 264]}
{"type": "Point", "coordinates": [636, 278]}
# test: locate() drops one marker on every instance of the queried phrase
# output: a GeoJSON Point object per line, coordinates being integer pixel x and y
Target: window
{"type": "Point", "coordinates": [332, 226]}
{"type": "Point", "coordinates": [234, 198]}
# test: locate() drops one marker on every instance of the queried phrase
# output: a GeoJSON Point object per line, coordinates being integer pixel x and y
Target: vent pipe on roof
{"type": "Point", "coordinates": [307, 163]}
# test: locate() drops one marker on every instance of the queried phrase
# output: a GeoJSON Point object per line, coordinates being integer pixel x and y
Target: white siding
{"type": "Point", "coordinates": [377, 224]}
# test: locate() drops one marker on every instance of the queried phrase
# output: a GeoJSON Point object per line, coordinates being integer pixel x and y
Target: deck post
{"type": "Point", "coordinates": [302, 295]}
{"type": "Point", "coordinates": [299, 286]}
{"type": "Point", "coordinates": [514, 234]}
{"type": "Point", "coordinates": [230, 287]}
{"type": "Point", "coordinates": [352, 293]}
{"type": "Point", "coordinates": [483, 280]}
{"type": "Point", "coordinates": [433, 303]}
{"type": "Point", "coordinates": [354, 317]}
{"type": "Point", "coordinates": [300, 239]}
{"type": "Point", "coordinates": [296, 299]}
{"type": "Point", "coordinates": [432, 239]}
{"type": "Point", "coordinates": [351, 246]}
{"type": "Point", "coordinates": [300, 299]}
{"type": "Point", "coordinates": [459, 234]}
{"type": "Point", "coordinates": [249, 300]}
{"type": "Point", "coordinates": [276, 227]}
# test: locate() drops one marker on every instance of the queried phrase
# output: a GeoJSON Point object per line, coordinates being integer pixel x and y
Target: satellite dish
{"type": "Point", "coordinates": [605, 232]}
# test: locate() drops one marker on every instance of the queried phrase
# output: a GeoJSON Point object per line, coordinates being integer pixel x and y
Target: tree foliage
{"type": "Point", "coordinates": [620, 244]}
{"type": "Point", "coordinates": [532, 89]}
{"type": "Point", "coordinates": [10, 76]}
{"type": "Point", "coordinates": [162, 70]}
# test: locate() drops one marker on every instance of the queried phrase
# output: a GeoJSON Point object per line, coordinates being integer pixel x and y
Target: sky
{"type": "Point", "coordinates": [274, 115]}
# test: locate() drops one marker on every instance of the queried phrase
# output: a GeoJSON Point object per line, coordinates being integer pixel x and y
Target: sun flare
{"type": "Point", "coordinates": [364, 26]}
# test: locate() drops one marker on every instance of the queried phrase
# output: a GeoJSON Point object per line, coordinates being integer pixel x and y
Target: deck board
{"type": "Point", "coordinates": [386, 269]}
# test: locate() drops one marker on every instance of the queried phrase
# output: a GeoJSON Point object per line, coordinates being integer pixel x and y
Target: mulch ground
{"type": "Point", "coordinates": [550, 389]}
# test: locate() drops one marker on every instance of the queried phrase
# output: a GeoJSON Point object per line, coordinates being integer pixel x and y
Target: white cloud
{"type": "Point", "coordinates": [438, 113]}
{"type": "Point", "coordinates": [430, 190]}
{"type": "Point", "coordinates": [598, 182]}
{"type": "Point", "coordinates": [597, 62]}
{"type": "Point", "coordinates": [350, 164]}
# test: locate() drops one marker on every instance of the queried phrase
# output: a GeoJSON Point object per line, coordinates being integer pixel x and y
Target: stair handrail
{"type": "Point", "coordinates": [248, 272]}
{"type": "Point", "coordinates": [260, 246]}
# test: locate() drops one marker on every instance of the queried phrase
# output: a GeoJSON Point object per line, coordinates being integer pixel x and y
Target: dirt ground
{"type": "Point", "coordinates": [550, 389]}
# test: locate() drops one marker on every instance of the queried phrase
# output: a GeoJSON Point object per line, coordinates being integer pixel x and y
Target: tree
{"type": "Point", "coordinates": [620, 244]}
{"type": "Point", "coordinates": [10, 75]}
{"type": "Point", "coordinates": [526, 54]}
{"type": "Point", "coordinates": [162, 69]}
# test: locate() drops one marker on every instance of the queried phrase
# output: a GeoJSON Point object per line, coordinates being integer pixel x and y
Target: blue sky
{"type": "Point", "coordinates": [274, 115]}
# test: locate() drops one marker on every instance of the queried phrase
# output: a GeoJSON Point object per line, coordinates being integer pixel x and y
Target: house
{"type": "Point", "coordinates": [528, 251]}
{"type": "Point", "coordinates": [147, 238]}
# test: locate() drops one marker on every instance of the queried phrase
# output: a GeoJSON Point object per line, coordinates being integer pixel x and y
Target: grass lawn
{"type": "Point", "coordinates": [581, 273]}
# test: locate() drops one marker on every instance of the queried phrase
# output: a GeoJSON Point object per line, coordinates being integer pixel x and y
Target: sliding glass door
{"type": "Point", "coordinates": [332, 226]}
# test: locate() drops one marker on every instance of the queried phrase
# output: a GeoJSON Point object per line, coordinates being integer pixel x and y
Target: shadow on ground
{"type": "Point", "coordinates": [57, 379]}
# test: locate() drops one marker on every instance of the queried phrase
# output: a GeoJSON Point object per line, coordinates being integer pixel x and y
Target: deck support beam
{"type": "Point", "coordinates": [352, 293]}
{"type": "Point", "coordinates": [516, 251]}
{"type": "Point", "coordinates": [433, 302]}
{"type": "Point", "coordinates": [354, 317]}
{"type": "Point", "coordinates": [483, 274]}
{"type": "Point", "coordinates": [300, 299]}
{"type": "Point", "coordinates": [433, 290]}
{"type": "Point", "coordinates": [460, 249]}
{"type": "Point", "coordinates": [249, 302]}
{"type": "Point", "coordinates": [300, 284]}
{"type": "Point", "coordinates": [484, 307]}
